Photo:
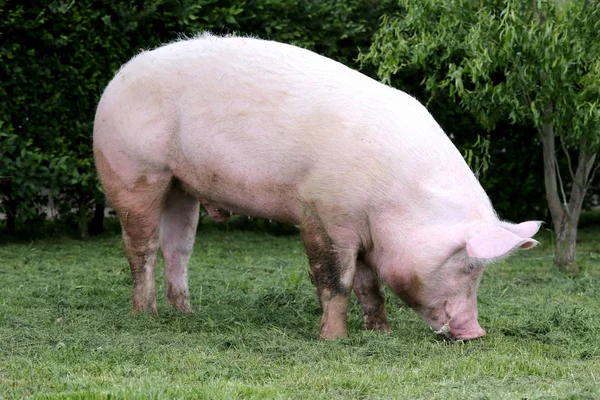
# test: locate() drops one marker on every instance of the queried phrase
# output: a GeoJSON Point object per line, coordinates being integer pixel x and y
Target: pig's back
{"type": "Point", "coordinates": [259, 118]}
{"type": "Point", "coordinates": [230, 84]}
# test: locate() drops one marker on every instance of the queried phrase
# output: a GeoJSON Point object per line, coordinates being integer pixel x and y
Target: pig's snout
{"type": "Point", "coordinates": [473, 331]}
{"type": "Point", "coordinates": [454, 335]}
{"type": "Point", "coordinates": [465, 327]}
{"type": "Point", "coordinates": [461, 326]}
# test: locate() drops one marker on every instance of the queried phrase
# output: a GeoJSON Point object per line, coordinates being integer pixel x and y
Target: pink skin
{"type": "Point", "coordinates": [460, 311]}
{"type": "Point", "coordinates": [461, 321]}
{"type": "Point", "coordinates": [453, 304]}
{"type": "Point", "coordinates": [177, 233]}
{"type": "Point", "coordinates": [268, 130]}
{"type": "Point", "coordinates": [442, 287]}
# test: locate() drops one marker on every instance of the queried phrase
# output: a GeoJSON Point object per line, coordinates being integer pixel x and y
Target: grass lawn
{"type": "Point", "coordinates": [66, 330]}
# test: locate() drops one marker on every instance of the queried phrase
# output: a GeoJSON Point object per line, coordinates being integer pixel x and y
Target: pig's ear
{"type": "Point", "coordinates": [524, 229]}
{"type": "Point", "coordinates": [493, 241]}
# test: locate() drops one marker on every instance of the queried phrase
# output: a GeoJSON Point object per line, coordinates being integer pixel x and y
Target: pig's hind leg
{"type": "Point", "coordinates": [369, 292]}
{"type": "Point", "coordinates": [178, 225]}
{"type": "Point", "coordinates": [332, 258]}
{"type": "Point", "coordinates": [139, 202]}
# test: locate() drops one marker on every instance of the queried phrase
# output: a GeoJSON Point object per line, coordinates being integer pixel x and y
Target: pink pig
{"type": "Point", "coordinates": [259, 128]}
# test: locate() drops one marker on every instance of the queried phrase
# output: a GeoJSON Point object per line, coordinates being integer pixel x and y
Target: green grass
{"type": "Point", "coordinates": [66, 330]}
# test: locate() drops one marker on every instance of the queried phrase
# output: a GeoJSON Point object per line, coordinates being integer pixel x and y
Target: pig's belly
{"type": "Point", "coordinates": [226, 192]}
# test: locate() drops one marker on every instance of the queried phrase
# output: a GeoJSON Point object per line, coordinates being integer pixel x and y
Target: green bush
{"type": "Point", "coordinates": [61, 55]}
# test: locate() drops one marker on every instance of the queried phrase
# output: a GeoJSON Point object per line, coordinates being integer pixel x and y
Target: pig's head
{"type": "Point", "coordinates": [440, 277]}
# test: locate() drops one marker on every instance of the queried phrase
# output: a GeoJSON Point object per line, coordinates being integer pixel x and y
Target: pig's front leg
{"type": "Point", "coordinates": [333, 264]}
{"type": "Point", "coordinates": [369, 292]}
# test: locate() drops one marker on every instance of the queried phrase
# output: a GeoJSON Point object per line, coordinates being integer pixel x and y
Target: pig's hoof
{"type": "Point", "coordinates": [333, 335]}
{"type": "Point", "coordinates": [184, 308]}
{"type": "Point", "coordinates": [180, 303]}
{"type": "Point", "coordinates": [374, 325]}
{"type": "Point", "coordinates": [178, 298]}
{"type": "Point", "coordinates": [379, 327]}
{"type": "Point", "coordinates": [138, 309]}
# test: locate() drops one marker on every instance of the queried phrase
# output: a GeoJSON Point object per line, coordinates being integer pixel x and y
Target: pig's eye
{"type": "Point", "coordinates": [470, 268]}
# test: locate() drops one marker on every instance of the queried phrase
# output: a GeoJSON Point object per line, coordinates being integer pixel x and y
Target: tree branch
{"type": "Point", "coordinates": [557, 211]}
{"type": "Point", "coordinates": [584, 167]}
{"type": "Point", "coordinates": [593, 174]}
{"type": "Point", "coordinates": [570, 165]}
{"type": "Point", "coordinates": [562, 188]}
{"type": "Point", "coordinates": [529, 102]}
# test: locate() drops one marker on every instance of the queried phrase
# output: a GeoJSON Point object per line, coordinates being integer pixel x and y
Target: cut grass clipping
{"type": "Point", "coordinates": [66, 330]}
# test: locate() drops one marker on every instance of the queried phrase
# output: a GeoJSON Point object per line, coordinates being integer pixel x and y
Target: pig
{"type": "Point", "coordinates": [253, 127]}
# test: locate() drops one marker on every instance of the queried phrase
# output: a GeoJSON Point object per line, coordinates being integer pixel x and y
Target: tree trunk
{"type": "Point", "coordinates": [564, 226]}
{"type": "Point", "coordinates": [566, 230]}
{"type": "Point", "coordinates": [11, 216]}
{"type": "Point", "coordinates": [83, 228]}
{"type": "Point", "coordinates": [565, 215]}
{"type": "Point", "coordinates": [565, 257]}
{"type": "Point", "coordinates": [10, 205]}
{"type": "Point", "coordinates": [548, 144]}
{"type": "Point", "coordinates": [97, 224]}
{"type": "Point", "coordinates": [564, 248]}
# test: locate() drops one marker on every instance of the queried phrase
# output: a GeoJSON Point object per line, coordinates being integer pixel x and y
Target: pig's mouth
{"type": "Point", "coordinates": [439, 322]}
{"type": "Point", "coordinates": [452, 337]}
{"type": "Point", "coordinates": [444, 331]}
{"type": "Point", "coordinates": [454, 334]}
